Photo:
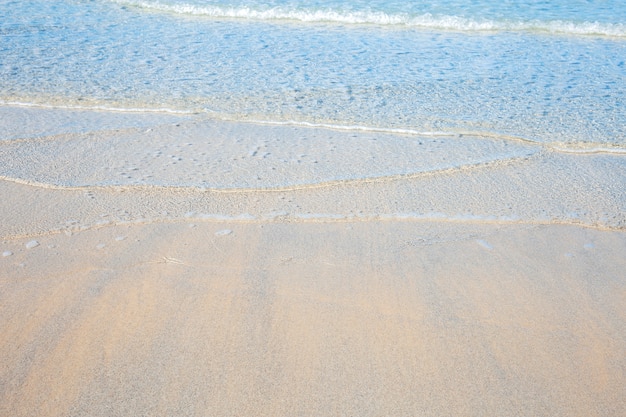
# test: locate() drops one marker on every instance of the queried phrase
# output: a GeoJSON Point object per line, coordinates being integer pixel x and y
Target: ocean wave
{"type": "Point", "coordinates": [380, 18]}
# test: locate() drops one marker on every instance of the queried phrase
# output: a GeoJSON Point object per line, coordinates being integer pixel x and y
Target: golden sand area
{"type": "Point", "coordinates": [497, 287]}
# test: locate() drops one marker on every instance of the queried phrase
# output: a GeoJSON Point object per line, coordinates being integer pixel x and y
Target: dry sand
{"type": "Point", "coordinates": [403, 296]}
{"type": "Point", "coordinates": [344, 318]}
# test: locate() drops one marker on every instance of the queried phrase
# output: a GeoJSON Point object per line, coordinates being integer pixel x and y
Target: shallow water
{"type": "Point", "coordinates": [92, 168]}
{"type": "Point", "coordinates": [448, 110]}
{"type": "Point", "coordinates": [544, 72]}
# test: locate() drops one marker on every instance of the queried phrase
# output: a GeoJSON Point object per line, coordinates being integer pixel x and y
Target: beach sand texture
{"type": "Point", "coordinates": [137, 281]}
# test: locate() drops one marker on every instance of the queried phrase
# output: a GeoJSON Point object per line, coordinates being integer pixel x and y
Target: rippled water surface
{"type": "Point", "coordinates": [543, 71]}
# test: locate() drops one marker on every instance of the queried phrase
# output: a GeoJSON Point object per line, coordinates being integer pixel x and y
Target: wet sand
{"type": "Point", "coordinates": [462, 292]}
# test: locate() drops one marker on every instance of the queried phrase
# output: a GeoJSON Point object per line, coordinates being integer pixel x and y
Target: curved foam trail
{"type": "Point", "coordinates": [225, 155]}
{"type": "Point", "coordinates": [198, 170]}
{"type": "Point", "coordinates": [546, 189]}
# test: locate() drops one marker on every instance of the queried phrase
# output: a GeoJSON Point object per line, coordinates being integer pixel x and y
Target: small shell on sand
{"type": "Point", "coordinates": [32, 244]}
{"type": "Point", "coordinates": [484, 244]}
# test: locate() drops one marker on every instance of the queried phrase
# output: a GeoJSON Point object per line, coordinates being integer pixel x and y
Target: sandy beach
{"type": "Point", "coordinates": [323, 318]}
{"type": "Point", "coordinates": [491, 287]}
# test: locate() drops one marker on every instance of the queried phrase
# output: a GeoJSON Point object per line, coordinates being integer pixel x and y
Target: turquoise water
{"type": "Point", "coordinates": [544, 71]}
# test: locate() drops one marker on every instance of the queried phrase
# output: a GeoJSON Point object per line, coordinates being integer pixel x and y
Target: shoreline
{"type": "Point", "coordinates": [490, 290]}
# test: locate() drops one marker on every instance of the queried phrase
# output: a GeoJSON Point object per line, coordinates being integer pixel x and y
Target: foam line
{"type": "Point", "coordinates": [97, 108]}
{"type": "Point", "coordinates": [434, 217]}
{"type": "Point", "coordinates": [585, 149]}
{"type": "Point", "coordinates": [297, 187]}
{"type": "Point", "coordinates": [379, 18]}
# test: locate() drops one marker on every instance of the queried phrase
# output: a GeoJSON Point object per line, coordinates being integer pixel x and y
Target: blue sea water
{"type": "Point", "coordinates": [545, 71]}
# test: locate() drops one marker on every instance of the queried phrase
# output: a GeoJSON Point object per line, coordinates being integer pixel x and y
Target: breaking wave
{"type": "Point", "coordinates": [380, 18]}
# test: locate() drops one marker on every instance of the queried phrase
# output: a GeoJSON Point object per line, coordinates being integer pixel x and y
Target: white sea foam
{"type": "Point", "coordinates": [358, 128]}
{"type": "Point", "coordinates": [381, 18]}
{"type": "Point", "coordinates": [117, 109]}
